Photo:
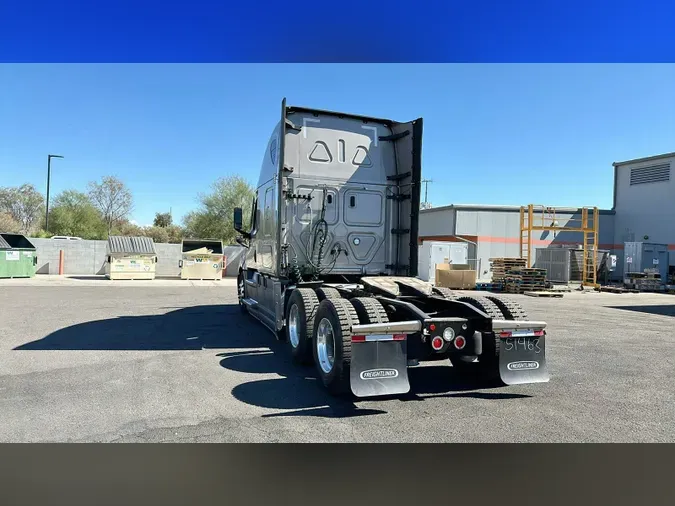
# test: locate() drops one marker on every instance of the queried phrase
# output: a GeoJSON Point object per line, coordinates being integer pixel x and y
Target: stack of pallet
{"type": "Point", "coordinates": [502, 266]}
{"type": "Point", "coordinates": [645, 281]}
{"type": "Point", "coordinates": [522, 280]}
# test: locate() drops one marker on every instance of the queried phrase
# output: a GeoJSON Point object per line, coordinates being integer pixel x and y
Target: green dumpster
{"type": "Point", "coordinates": [18, 258]}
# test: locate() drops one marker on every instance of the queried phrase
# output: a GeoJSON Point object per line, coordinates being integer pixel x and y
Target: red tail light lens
{"type": "Point", "coordinates": [460, 342]}
{"type": "Point", "coordinates": [399, 337]}
{"type": "Point", "coordinates": [358, 339]}
{"type": "Point", "coordinates": [437, 343]}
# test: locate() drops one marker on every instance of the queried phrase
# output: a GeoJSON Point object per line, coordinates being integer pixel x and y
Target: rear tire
{"type": "Point", "coordinates": [511, 310]}
{"type": "Point", "coordinates": [483, 304]}
{"type": "Point", "coordinates": [332, 343]}
{"type": "Point", "coordinates": [369, 310]}
{"type": "Point", "coordinates": [302, 307]}
{"type": "Point", "coordinates": [446, 293]}
{"type": "Point", "coordinates": [327, 292]}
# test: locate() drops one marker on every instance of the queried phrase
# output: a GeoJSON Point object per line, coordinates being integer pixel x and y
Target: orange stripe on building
{"type": "Point", "coordinates": [516, 240]}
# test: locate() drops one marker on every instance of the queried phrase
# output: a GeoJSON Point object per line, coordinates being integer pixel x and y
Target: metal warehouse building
{"type": "Point", "coordinates": [643, 210]}
{"type": "Point", "coordinates": [494, 231]}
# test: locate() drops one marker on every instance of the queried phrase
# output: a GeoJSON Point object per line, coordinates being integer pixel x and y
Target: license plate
{"type": "Point", "coordinates": [523, 360]}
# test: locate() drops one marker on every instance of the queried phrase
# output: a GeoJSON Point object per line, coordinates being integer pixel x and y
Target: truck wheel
{"type": "Point", "coordinates": [511, 310]}
{"type": "Point", "coordinates": [446, 293]}
{"type": "Point", "coordinates": [327, 292]}
{"type": "Point", "coordinates": [332, 343]}
{"type": "Point", "coordinates": [369, 310]}
{"type": "Point", "coordinates": [302, 307]}
{"type": "Point", "coordinates": [483, 304]}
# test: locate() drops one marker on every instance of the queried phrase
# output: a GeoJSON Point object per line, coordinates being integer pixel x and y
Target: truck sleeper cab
{"type": "Point", "coordinates": [331, 262]}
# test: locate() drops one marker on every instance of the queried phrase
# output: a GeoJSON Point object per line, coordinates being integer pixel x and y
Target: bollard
{"type": "Point", "coordinates": [61, 262]}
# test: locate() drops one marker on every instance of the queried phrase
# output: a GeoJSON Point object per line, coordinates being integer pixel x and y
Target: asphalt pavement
{"type": "Point", "coordinates": [179, 362]}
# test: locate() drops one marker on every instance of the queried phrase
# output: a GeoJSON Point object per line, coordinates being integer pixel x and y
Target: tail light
{"type": "Point", "coordinates": [358, 339]}
{"type": "Point", "coordinates": [399, 337]}
{"type": "Point", "coordinates": [437, 343]}
{"type": "Point", "coordinates": [460, 342]}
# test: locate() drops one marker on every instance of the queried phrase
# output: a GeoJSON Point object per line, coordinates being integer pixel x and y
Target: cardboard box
{"type": "Point", "coordinates": [453, 267]}
{"type": "Point", "coordinates": [448, 276]}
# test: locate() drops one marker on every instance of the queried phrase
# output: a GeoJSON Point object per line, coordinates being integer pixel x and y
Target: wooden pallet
{"type": "Point", "coordinates": [501, 267]}
{"type": "Point", "coordinates": [544, 293]}
{"type": "Point", "coordinates": [617, 289]}
{"type": "Point", "coordinates": [490, 287]}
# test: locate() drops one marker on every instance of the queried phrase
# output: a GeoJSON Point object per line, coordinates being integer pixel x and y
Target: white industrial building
{"type": "Point", "coordinates": [643, 210]}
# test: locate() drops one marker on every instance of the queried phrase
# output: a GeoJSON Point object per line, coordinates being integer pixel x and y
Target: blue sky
{"type": "Point", "coordinates": [494, 134]}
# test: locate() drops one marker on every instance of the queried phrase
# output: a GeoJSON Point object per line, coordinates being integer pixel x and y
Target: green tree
{"type": "Point", "coordinates": [213, 219]}
{"type": "Point", "coordinates": [158, 234]}
{"type": "Point", "coordinates": [113, 199]}
{"type": "Point", "coordinates": [176, 234]}
{"type": "Point", "coordinates": [163, 220]}
{"type": "Point", "coordinates": [8, 223]}
{"type": "Point", "coordinates": [74, 214]}
{"type": "Point", "coordinates": [127, 228]}
{"type": "Point", "coordinates": [25, 205]}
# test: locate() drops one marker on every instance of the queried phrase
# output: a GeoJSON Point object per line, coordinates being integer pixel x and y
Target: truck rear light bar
{"type": "Point", "coordinates": [407, 327]}
{"type": "Point", "coordinates": [522, 333]}
{"type": "Point", "coordinates": [380, 337]}
{"type": "Point", "coordinates": [499, 326]}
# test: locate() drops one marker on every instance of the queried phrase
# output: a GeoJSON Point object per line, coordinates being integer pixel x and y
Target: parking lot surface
{"type": "Point", "coordinates": [130, 363]}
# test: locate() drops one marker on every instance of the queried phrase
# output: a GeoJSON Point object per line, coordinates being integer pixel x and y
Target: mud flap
{"type": "Point", "coordinates": [379, 368]}
{"type": "Point", "coordinates": [523, 360]}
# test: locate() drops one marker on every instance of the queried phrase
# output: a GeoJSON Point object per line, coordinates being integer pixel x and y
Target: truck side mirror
{"type": "Point", "coordinates": [238, 218]}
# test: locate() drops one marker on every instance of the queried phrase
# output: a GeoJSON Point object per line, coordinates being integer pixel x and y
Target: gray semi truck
{"type": "Point", "coordinates": [331, 263]}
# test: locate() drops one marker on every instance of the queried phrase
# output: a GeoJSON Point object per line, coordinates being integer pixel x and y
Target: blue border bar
{"type": "Point", "coordinates": [344, 31]}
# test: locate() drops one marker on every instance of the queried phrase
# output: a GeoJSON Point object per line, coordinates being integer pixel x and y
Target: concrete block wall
{"type": "Point", "coordinates": [87, 258]}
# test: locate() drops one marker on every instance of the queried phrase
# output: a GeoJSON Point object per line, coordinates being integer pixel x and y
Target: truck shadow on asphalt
{"type": "Point", "coordinates": [192, 328]}
{"type": "Point", "coordinates": [299, 392]}
{"type": "Point", "coordinates": [252, 349]}
{"type": "Point", "coordinates": [662, 309]}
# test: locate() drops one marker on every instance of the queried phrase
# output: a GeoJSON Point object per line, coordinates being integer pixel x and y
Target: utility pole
{"type": "Point", "coordinates": [426, 182]}
{"type": "Point", "coordinates": [49, 173]}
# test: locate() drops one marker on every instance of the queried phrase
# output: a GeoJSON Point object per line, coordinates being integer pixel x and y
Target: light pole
{"type": "Point", "coordinates": [49, 173]}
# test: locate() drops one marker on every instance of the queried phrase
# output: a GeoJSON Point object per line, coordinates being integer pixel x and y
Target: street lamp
{"type": "Point", "coordinates": [49, 172]}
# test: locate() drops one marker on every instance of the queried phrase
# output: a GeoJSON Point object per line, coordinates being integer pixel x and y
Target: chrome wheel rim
{"type": "Point", "coordinates": [325, 345]}
{"type": "Point", "coordinates": [293, 330]}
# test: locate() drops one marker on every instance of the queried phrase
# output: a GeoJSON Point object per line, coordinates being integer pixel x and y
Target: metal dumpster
{"type": "Point", "coordinates": [201, 259]}
{"type": "Point", "coordinates": [130, 258]}
{"type": "Point", "coordinates": [17, 256]}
